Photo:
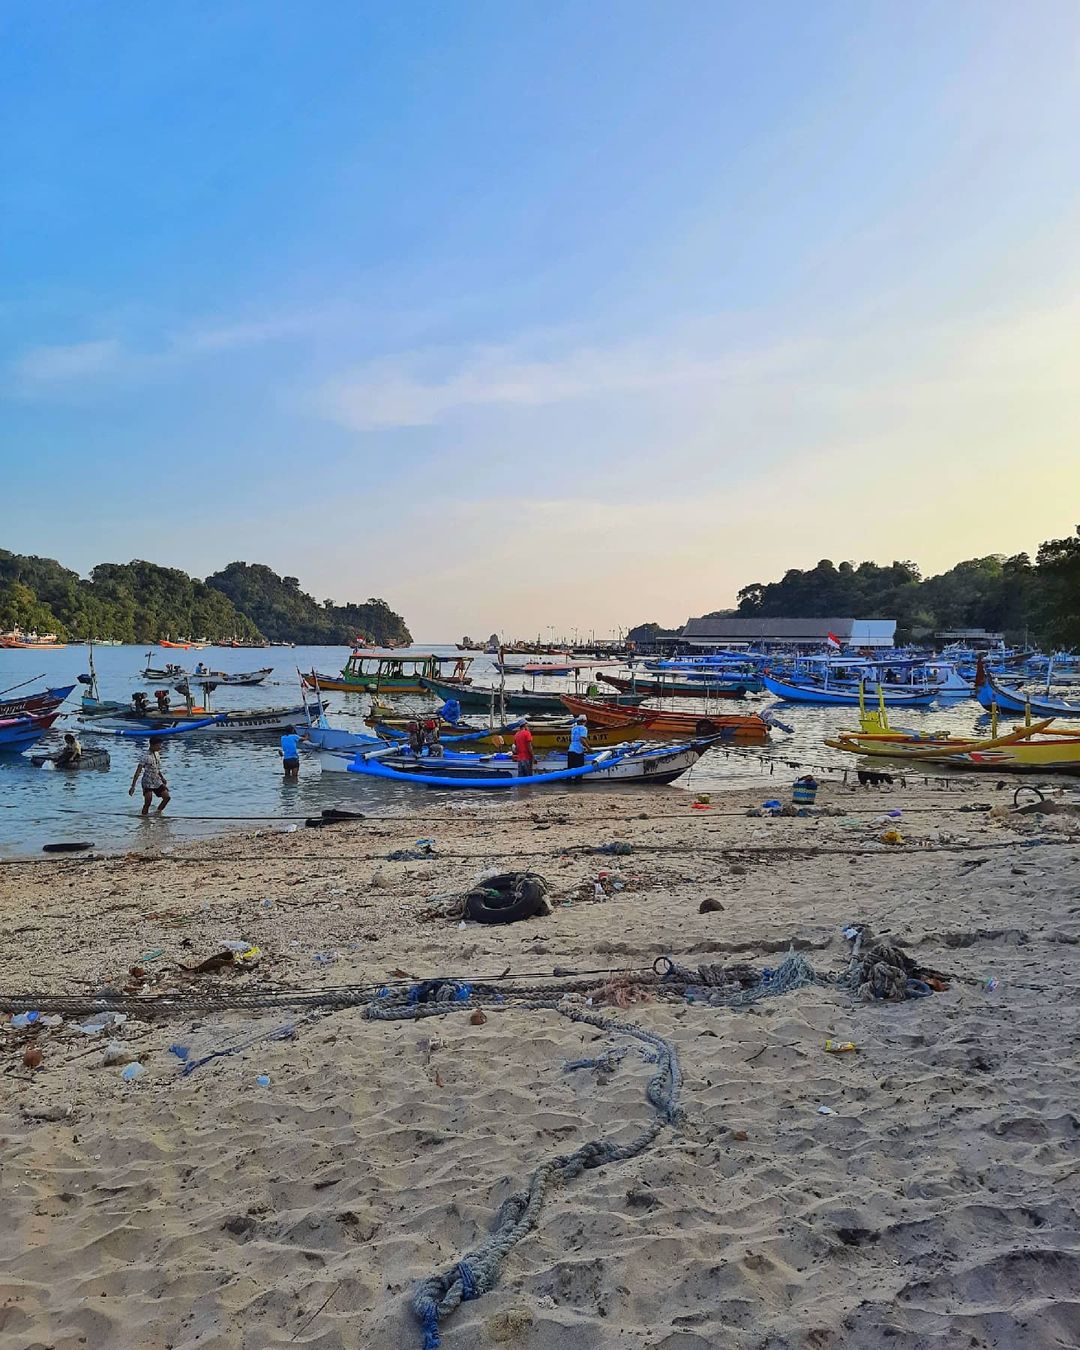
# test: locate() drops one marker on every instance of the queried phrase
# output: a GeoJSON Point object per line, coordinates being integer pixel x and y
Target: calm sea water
{"type": "Point", "coordinates": [228, 782]}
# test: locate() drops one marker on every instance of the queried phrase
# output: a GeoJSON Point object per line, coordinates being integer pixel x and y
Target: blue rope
{"type": "Point", "coordinates": [430, 1325]}
{"type": "Point", "coordinates": [468, 1281]}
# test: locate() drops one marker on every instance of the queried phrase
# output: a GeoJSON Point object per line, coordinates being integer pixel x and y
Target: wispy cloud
{"type": "Point", "coordinates": [235, 336]}
{"type": "Point", "coordinates": [73, 361]}
{"type": "Point", "coordinates": [396, 392]}
{"type": "Point", "coordinates": [42, 369]}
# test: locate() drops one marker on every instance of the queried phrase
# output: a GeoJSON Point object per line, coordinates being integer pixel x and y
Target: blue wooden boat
{"type": "Point", "coordinates": [635, 761]}
{"type": "Point", "coordinates": [793, 692]}
{"type": "Point", "coordinates": [19, 733]}
{"type": "Point", "coordinates": [990, 694]}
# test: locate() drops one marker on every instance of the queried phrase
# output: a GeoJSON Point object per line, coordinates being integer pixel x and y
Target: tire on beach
{"type": "Point", "coordinates": [506, 898]}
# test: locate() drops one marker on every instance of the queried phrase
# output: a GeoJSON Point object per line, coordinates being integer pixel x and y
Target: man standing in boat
{"type": "Point", "coordinates": [575, 755]}
{"type": "Point", "coordinates": [523, 752]}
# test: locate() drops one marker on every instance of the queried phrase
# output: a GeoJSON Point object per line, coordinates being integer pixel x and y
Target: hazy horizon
{"type": "Point", "coordinates": [520, 318]}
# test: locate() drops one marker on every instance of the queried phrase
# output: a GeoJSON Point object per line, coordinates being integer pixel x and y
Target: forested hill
{"type": "Point", "coordinates": [283, 612]}
{"type": "Point", "coordinates": [142, 602]}
{"type": "Point", "coordinates": [1039, 600]}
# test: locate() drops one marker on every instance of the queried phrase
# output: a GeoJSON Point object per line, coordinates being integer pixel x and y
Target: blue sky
{"type": "Point", "coordinates": [522, 314]}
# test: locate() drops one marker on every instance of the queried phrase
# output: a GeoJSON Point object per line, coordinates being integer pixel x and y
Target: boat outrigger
{"type": "Point", "coordinates": [636, 761]}
{"type": "Point", "coordinates": [1030, 746]}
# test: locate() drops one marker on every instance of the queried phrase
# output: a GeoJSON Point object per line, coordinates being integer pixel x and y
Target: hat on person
{"type": "Point", "coordinates": [581, 718]}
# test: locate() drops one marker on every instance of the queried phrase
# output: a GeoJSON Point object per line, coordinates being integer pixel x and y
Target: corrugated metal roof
{"type": "Point", "coordinates": [781, 628]}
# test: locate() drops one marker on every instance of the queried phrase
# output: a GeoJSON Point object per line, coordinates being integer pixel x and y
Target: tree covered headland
{"type": "Point", "coordinates": [142, 602]}
{"type": "Point", "coordinates": [1039, 600]}
{"type": "Point", "coordinates": [285, 613]}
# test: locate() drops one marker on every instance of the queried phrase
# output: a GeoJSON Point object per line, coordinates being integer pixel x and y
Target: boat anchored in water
{"type": "Point", "coordinates": [375, 673]}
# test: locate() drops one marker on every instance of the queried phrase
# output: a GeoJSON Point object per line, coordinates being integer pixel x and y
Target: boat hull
{"type": "Point", "coordinates": [991, 693]}
{"type": "Point", "coordinates": [19, 733]}
{"type": "Point", "coordinates": [243, 722]}
{"type": "Point", "coordinates": [653, 765]}
{"type": "Point", "coordinates": [843, 698]}
{"type": "Point", "coordinates": [545, 738]}
{"type": "Point", "coordinates": [745, 727]}
{"type": "Point", "coordinates": [516, 700]}
{"type": "Point", "coordinates": [35, 705]}
{"type": "Point", "coordinates": [703, 688]}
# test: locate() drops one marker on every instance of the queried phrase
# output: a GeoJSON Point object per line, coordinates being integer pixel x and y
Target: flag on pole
{"type": "Point", "coordinates": [834, 642]}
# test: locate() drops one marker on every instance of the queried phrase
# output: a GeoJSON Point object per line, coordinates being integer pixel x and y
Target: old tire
{"type": "Point", "coordinates": [506, 898]}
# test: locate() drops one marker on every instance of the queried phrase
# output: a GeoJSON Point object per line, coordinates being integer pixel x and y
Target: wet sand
{"type": "Point", "coordinates": [935, 1206]}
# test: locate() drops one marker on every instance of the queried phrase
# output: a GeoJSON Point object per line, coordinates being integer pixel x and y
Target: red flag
{"type": "Point", "coordinates": [834, 642]}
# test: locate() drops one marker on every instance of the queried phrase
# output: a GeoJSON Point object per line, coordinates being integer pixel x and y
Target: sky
{"type": "Point", "coordinates": [538, 316]}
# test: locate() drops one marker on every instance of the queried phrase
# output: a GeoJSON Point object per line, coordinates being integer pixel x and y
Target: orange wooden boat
{"type": "Point", "coordinates": [658, 722]}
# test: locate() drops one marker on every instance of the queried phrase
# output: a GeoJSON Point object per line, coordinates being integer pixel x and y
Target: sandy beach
{"type": "Point", "coordinates": [933, 1205]}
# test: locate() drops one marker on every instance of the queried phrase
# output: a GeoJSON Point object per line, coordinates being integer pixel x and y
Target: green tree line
{"type": "Point", "coordinates": [142, 602]}
{"type": "Point", "coordinates": [1038, 601]}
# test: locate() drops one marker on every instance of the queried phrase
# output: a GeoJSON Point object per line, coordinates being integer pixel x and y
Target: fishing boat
{"type": "Point", "coordinates": [19, 733]}
{"type": "Point", "coordinates": [92, 704]}
{"type": "Point", "coordinates": [547, 735]}
{"type": "Point", "coordinates": [536, 669]}
{"type": "Point", "coordinates": [636, 761]}
{"type": "Point", "coordinates": [140, 717]}
{"type": "Point", "coordinates": [247, 679]}
{"type": "Point", "coordinates": [515, 700]}
{"type": "Point", "coordinates": [707, 686]}
{"type": "Point", "coordinates": [233, 722]}
{"type": "Point", "coordinates": [160, 674]}
{"type": "Point", "coordinates": [19, 641]}
{"type": "Point", "coordinates": [808, 692]}
{"type": "Point", "coordinates": [179, 646]}
{"type": "Point", "coordinates": [1009, 698]}
{"type": "Point", "coordinates": [365, 673]}
{"type": "Point", "coordinates": [1026, 748]}
{"type": "Point", "coordinates": [34, 704]}
{"type": "Point", "coordinates": [659, 722]}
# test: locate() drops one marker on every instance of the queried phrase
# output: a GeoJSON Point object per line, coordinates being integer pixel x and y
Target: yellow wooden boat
{"type": "Point", "coordinates": [1026, 747]}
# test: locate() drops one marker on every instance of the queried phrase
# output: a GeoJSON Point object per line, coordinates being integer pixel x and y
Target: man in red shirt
{"type": "Point", "coordinates": [523, 752]}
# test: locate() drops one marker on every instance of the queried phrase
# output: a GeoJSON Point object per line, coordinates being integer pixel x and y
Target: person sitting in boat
{"type": "Point", "coordinates": [431, 743]}
{"type": "Point", "coordinates": [459, 670]}
{"type": "Point", "coordinates": [891, 676]}
{"type": "Point", "coordinates": [69, 757]}
{"type": "Point", "coordinates": [202, 668]}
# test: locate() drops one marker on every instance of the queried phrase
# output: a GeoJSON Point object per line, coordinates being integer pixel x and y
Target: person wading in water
{"type": "Point", "coordinates": [153, 780]}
